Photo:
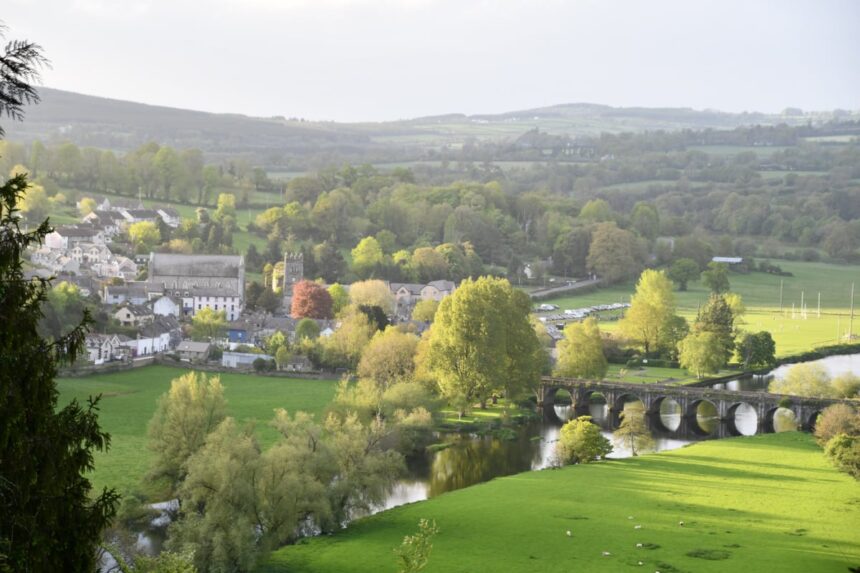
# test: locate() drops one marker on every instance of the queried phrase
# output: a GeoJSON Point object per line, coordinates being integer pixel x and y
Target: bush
{"type": "Point", "coordinates": [581, 442]}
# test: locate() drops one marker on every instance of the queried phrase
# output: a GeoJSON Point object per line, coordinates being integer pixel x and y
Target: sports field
{"type": "Point", "coordinates": [763, 503]}
{"type": "Point", "coordinates": [793, 330]}
{"type": "Point", "coordinates": [129, 399]}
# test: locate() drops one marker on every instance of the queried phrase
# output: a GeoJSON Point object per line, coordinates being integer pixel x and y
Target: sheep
{"type": "Point", "coordinates": [637, 527]}
{"type": "Point", "coordinates": [638, 545]}
{"type": "Point", "coordinates": [681, 523]}
{"type": "Point", "coordinates": [569, 533]}
{"type": "Point", "coordinates": [606, 554]}
{"type": "Point", "coordinates": [629, 517]}
{"type": "Point", "coordinates": [640, 563]}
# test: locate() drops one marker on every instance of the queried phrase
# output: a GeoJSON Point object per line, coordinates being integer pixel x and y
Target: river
{"type": "Point", "coordinates": [474, 459]}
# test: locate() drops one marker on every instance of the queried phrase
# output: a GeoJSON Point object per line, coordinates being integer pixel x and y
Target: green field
{"type": "Point", "coordinates": [764, 503]}
{"type": "Point", "coordinates": [760, 293]}
{"type": "Point", "coordinates": [129, 398]}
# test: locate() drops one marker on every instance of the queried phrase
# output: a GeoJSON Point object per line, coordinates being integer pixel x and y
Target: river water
{"type": "Point", "coordinates": [474, 459]}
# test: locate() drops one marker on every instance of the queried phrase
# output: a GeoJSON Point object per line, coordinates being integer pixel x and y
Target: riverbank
{"type": "Point", "coordinates": [761, 503]}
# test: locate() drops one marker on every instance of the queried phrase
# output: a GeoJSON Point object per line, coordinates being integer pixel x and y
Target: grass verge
{"type": "Point", "coordinates": [748, 504]}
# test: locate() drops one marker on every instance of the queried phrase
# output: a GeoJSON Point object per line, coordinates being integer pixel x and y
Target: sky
{"type": "Point", "coordinates": [375, 60]}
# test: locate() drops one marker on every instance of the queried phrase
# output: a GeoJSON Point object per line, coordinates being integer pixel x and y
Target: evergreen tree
{"type": "Point", "coordinates": [49, 518]}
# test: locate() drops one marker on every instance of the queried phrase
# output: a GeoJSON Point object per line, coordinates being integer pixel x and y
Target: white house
{"type": "Point", "coordinates": [160, 336]}
{"type": "Point", "coordinates": [170, 216]}
{"type": "Point", "coordinates": [103, 348]}
{"type": "Point", "coordinates": [134, 315]}
{"type": "Point", "coordinates": [437, 290]}
{"type": "Point", "coordinates": [166, 306]}
{"type": "Point", "coordinates": [241, 359]}
{"type": "Point", "coordinates": [139, 215]}
{"type": "Point", "coordinates": [63, 238]}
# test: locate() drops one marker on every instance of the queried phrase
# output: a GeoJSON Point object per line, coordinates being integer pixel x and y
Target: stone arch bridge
{"type": "Point", "coordinates": [688, 398]}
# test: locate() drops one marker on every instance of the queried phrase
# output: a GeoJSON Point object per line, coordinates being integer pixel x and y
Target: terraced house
{"type": "Point", "coordinates": [200, 281]}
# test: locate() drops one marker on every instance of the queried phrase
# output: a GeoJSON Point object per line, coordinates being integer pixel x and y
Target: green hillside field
{"type": "Point", "coordinates": [763, 503]}
{"type": "Point", "coordinates": [129, 400]}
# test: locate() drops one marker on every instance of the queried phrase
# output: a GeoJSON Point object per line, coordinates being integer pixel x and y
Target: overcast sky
{"type": "Point", "coordinates": [388, 59]}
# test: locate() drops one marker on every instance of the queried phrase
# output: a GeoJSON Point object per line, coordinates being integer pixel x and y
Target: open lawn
{"type": "Point", "coordinates": [129, 399]}
{"type": "Point", "coordinates": [763, 503]}
{"type": "Point", "coordinates": [760, 293]}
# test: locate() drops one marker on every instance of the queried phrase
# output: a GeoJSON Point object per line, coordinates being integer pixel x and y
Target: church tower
{"type": "Point", "coordinates": [294, 271]}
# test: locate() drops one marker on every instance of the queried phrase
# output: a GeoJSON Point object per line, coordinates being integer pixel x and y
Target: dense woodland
{"type": "Point", "coordinates": [625, 201]}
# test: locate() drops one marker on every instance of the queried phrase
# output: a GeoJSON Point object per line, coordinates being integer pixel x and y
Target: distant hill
{"type": "Point", "coordinates": [122, 125]}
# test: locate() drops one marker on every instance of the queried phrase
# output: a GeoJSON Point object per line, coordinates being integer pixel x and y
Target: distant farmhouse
{"type": "Point", "coordinates": [200, 281]}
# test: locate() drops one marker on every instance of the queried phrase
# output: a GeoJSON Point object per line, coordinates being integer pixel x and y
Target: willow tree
{"type": "Point", "coordinates": [50, 520]}
{"type": "Point", "coordinates": [482, 343]}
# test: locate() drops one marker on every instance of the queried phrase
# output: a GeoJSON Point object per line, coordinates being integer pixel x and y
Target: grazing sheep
{"type": "Point", "coordinates": [606, 554]}
{"type": "Point", "coordinates": [638, 545]}
{"type": "Point", "coordinates": [637, 527]}
{"type": "Point", "coordinates": [568, 533]}
{"type": "Point", "coordinates": [629, 517]}
{"type": "Point", "coordinates": [640, 563]}
{"type": "Point", "coordinates": [681, 523]}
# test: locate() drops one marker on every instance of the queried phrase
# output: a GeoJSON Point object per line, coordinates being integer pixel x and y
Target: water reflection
{"type": "Point", "coordinates": [707, 419]}
{"type": "Point", "coordinates": [670, 414]}
{"type": "Point", "coordinates": [784, 420]}
{"type": "Point", "coordinates": [745, 419]}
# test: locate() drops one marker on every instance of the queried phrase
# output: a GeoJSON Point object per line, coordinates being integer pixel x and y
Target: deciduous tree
{"type": "Point", "coordinates": [184, 416]}
{"type": "Point", "coordinates": [372, 293]}
{"type": "Point", "coordinates": [683, 271]}
{"type": "Point", "coordinates": [580, 442]}
{"type": "Point", "coordinates": [580, 354]}
{"type": "Point", "coordinates": [633, 433]}
{"type": "Point", "coordinates": [701, 353]}
{"type": "Point", "coordinates": [389, 357]}
{"type": "Point", "coordinates": [652, 307]}
{"type": "Point", "coordinates": [482, 342]}
{"type": "Point", "coordinates": [208, 324]}
{"type": "Point", "coordinates": [311, 300]}
{"type": "Point", "coordinates": [612, 254]}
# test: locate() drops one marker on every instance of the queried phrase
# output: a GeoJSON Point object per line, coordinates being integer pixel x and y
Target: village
{"type": "Point", "coordinates": [154, 297]}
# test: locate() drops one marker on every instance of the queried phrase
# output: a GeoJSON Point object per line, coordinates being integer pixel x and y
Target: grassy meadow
{"type": "Point", "coordinates": [129, 400]}
{"type": "Point", "coordinates": [763, 503]}
{"type": "Point", "coordinates": [760, 293]}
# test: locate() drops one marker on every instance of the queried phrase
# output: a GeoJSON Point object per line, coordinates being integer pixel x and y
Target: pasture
{"type": "Point", "coordinates": [759, 503]}
{"type": "Point", "coordinates": [793, 331]}
{"type": "Point", "coordinates": [129, 400]}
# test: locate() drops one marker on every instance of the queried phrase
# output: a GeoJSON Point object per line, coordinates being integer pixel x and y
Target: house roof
{"type": "Point", "coordinates": [413, 288]}
{"type": "Point", "coordinates": [442, 285]}
{"type": "Point", "coordinates": [137, 310]}
{"type": "Point", "coordinates": [142, 213]}
{"type": "Point", "coordinates": [227, 266]}
{"type": "Point", "coordinates": [191, 346]}
{"type": "Point", "coordinates": [76, 231]}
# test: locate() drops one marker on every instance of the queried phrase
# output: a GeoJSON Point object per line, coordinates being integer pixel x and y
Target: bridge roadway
{"type": "Point", "coordinates": [688, 398]}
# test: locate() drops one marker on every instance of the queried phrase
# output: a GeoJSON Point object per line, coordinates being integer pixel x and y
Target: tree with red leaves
{"type": "Point", "coordinates": [311, 300]}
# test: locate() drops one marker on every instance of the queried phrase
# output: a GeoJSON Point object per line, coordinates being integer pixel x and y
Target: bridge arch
{"type": "Point", "coordinates": [703, 415]}
{"type": "Point", "coordinates": [666, 414]}
{"type": "Point", "coordinates": [780, 419]}
{"type": "Point", "coordinates": [742, 419]}
{"type": "Point", "coordinates": [623, 401]}
{"type": "Point", "coordinates": [809, 422]}
{"type": "Point", "coordinates": [549, 397]}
